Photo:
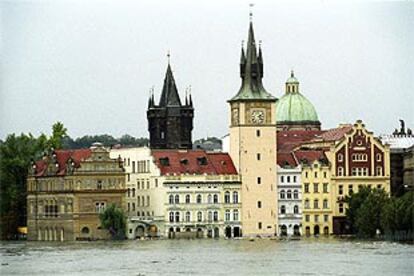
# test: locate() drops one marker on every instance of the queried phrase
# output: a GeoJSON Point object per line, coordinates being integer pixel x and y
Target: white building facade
{"type": "Point", "coordinates": [289, 200]}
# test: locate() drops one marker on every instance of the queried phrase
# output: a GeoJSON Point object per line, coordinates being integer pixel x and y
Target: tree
{"type": "Point", "coordinates": [354, 203]}
{"type": "Point", "coordinates": [58, 133]}
{"type": "Point", "coordinates": [113, 219]}
{"type": "Point", "coordinates": [368, 215]}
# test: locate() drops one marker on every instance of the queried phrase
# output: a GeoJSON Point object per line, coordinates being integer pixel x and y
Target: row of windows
{"type": "Point", "coordinates": [211, 216]}
{"type": "Point", "coordinates": [359, 157]}
{"type": "Point", "coordinates": [175, 199]}
{"type": "Point", "coordinates": [100, 207]}
{"type": "Point", "coordinates": [360, 171]}
{"type": "Point", "coordinates": [316, 218]}
{"type": "Point", "coordinates": [141, 202]}
{"type": "Point", "coordinates": [325, 204]}
{"type": "Point", "coordinates": [315, 174]}
{"type": "Point", "coordinates": [288, 178]}
{"type": "Point", "coordinates": [316, 188]}
{"type": "Point", "coordinates": [283, 209]}
{"type": "Point", "coordinates": [288, 194]}
{"type": "Point", "coordinates": [351, 188]}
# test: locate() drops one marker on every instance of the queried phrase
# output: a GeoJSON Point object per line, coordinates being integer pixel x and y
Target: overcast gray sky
{"type": "Point", "coordinates": [91, 65]}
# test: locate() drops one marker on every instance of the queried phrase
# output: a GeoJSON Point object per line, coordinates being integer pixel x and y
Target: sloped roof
{"type": "Point", "coordinates": [286, 159]}
{"type": "Point", "coordinates": [289, 139]}
{"type": "Point", "coordinates": [62, 157]}
{"type": "Point", "coordinates": [193, 162]}
{"type": "Point", "coordinates": [310, 155]}
{"type": "Point", "coordinates": [335, 134]}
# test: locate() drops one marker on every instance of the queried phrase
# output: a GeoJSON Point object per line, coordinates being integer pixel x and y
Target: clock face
{"type": "Point", "coordinates": [257, 116]}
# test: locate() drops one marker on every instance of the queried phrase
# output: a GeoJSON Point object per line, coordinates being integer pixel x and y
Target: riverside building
{"type": "Point", "coordinates": [68, 189]}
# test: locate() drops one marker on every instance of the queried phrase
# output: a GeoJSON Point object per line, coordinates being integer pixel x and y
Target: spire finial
{"type": "Point", "coordinates": [260, 43]}
{"type": "Point", "coordinates": [292, 74]}
{"type": "Point", "coordinates": [168, 56]}
{"type": "Point", "coordinates": [251, 11]}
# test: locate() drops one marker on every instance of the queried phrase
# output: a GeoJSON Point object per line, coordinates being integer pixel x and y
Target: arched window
{"type": "Point", "coordinates": [227, 197]}
{"type": "Point", "coordinates": [177, 199]}
{"type": "Point", "coordinates": [340, 157]}
{"type": "Point", "coordinates": [187, 199]}
{"type": "Point", "coordinates": [177, 216]}
{"type": "Point", "coordinates": [215, 199]}
{"type": "Point", "coordinates": [235, 197]}
{"type": "Point", "coordinates": [171, 216]}
{"type": "Point", "coordinates": [187, 216]}
{"type": "Point", "coordinates": [210, 216]}
{"type": "Point", "coordinates": [170, 199]}
{"type": "Point", "coordinates": [282, 194]}
{"type": "Point", "coordinates": [316, 204]}
{"type": "Point", "coordinates": [235, 215]}
{"type": "Point", "coordinates": [215, 216]}
{"type": "Point", "coordinates": [296, 209]}
{"type": "Point", "coordinates": [289, 194]}
{"type": "Point", "coordinates": [199, 216]}
{"type": "Point", "coordinates": [209, 199]}
{"type": "Point", "coordinates": [227, 215]}
{"type": "Point", "coordinates": [379, 157]}
{"type": "Point", "coordinates": [325, 204]}
{"type": "Point", "coordinates": [295, 194]}
{"type": "Point", "coordinates": [283, 209]}
{"type": "Point", "coordinates": [199, 199]}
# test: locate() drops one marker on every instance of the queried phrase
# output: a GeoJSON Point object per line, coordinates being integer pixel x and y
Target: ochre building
{"type": "Point", "coordinates": [68, 189]}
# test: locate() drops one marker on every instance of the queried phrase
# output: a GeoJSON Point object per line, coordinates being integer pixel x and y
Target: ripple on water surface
{"type": "Point", "coordinates": [207, 257]}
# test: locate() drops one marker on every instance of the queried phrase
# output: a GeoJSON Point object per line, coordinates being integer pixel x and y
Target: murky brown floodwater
{"type": "Point", "coordinates": [207, 257]}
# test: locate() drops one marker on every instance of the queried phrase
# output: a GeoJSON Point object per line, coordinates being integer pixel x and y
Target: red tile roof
{"type": "Point", "coordinates": [289, 139]}
{"type": "Point", "coordinates": [286, 159]}
{"type": "Point", "coordinates": [191, 162]}
{"type": "Point", "coordinates": [62, 157]}
{"type": "Point", "coordinates": [310, 155]}
{"type": "Point", "coordinates": [336, 133]}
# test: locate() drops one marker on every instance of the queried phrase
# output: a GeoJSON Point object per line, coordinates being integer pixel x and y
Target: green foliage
{"type": "Point", "coordinates": [368, 218]}
{"type": "Point", "coordinates": [107, 140]}
{"type": "Point", "coordinates": [113, 219]}
{"type": "Point", "coordinates": [372, 209]}
{"type": "Point", "coordinates": [58, 133]}
{"type": "Point", "coordinates": [17, 153]}
{"type": "Point", "coordinates": [398, 214]}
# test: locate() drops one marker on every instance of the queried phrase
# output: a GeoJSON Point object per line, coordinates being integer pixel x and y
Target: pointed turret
{"type": "Point", "coordinates": [169, 96]}
{"type": "Point", "coordinates": [251, 72]}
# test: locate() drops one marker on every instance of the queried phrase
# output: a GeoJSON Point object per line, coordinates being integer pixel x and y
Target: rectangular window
{"type": "Point", "coordinates": [294, 179]}
{"type": "Point", "coordinates": [350, 189]}
{"type": "Point", "coordinates": [258, 133]}
{"type": "Point", "coordinates": [340, 189]}
{"type": "Point", "coordinates": [133, 166]}
{"type": "Point", "coordinates": [259, 225]}
{"type": "Point", "coordinates": [325, 187]}
{"type": "Point", "coordinates": [259, 204]}
{"type": "Point", "coordinates": [315, 187]}
{"type": "Point", "coordinates": [258, 157]}
{"type": "Point", "coordinates": [307, 218]}
{"type": "Point", "coordinates": [259, 180]}
{"type": "Point", "coordinates": [281, 179]}
{"type": "Point", "coordinates": [326, 218]}
{"type": "Point", "coordinates": [306, 187]}
{"type": "Point", "coordinates": [316, 174]}
{"type": "Point", "coordinates": [316, 218]}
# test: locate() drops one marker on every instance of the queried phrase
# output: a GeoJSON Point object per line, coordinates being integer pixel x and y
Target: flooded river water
{"type": "Point", "coordinates": [207, 257]}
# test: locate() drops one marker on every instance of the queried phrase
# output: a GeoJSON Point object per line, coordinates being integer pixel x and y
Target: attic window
{"type": "Point", "coordinates": [202, 161]}
{"type": "Point", "coordinates": [184, 161]}
{"type": "Point", "coordinates": [223, 163]}
{"type": "Point", "coordinates": [165, 161]}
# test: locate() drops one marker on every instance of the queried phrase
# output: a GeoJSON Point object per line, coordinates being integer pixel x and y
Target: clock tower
{"type": "Point", "coordinates": [253, 144]}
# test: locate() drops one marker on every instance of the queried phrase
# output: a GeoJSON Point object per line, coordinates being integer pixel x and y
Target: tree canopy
{"type": "Point", "coordinates": [113, 219]}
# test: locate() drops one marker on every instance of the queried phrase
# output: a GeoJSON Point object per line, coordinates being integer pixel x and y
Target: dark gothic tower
{"type": "Point", "coordinates": [170, 123]}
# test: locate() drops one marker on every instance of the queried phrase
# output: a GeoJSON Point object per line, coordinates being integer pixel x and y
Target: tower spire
{"type": "Point", "coordinates": [169, 95]}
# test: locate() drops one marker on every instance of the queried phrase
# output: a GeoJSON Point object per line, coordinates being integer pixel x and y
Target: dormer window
{"type": "Point", "coordinates": [202, 161]}
{"type": "Point", "coordinates": [184, 161]}
{"type": "Point", "coordinates": [164, 161]}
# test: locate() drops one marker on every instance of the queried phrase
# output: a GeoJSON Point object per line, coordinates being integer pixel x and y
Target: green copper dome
{"type": "Point", "coordinates": [293, 107]}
